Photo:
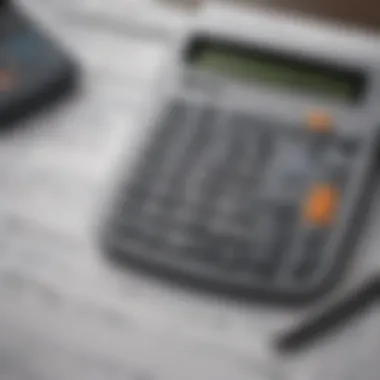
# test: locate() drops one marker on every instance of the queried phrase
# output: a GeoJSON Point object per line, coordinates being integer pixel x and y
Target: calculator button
{"type": "Point", "coordinates": [254, 144]}
{"type": "Point", "coordinates": [336, 168]}
{"type": "Point", "coordinates": [199, 232]}
{"type": "Point", "coordinates": [233, 253]}
{"type": "Point", "coordinates": [169, 126]}
{"type": "Point", "coordinates": [139, 190]}
{"type": "Point", "coordinates": [243, 135]}
{"type": "Point", "coordinates": [155, 242]}
{"type": "Point", "coordinates": [349, 146]}
{"type": "Point", "coordinates": [171, 202]}
{"type": "Point", "coordinates": [312, 248]}
{"type": "Point", "coordinates": [321, 205]}
{"type": "Point", "coordinates": [283, 238]}
{"type": "Point", "coordinates": [129, 229]}
{"type": "Point", "coordinates": [272, 238]}
{"type": "Point", "coordinates": [130, 210]}
{"type": "Point", "coordinates": [288, 171]}
{"type": "Point", "coordinates": [7, 81]}
{"type": "Point", "coordinates": [320, 122]}
{"type": "Point", "coordinates": [265, 144]}
{"type": "Point", "coordinates": [199, 138]}
{"type": "Point", "coordinates": [201, 244]}
{"type": "Point", "coordinates": [187, 152]}
{"type": "Point", "coordinates": [157, 230]}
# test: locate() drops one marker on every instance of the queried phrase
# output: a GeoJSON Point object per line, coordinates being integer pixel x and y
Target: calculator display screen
{"type": "Point", "coordinates": [276, 71]}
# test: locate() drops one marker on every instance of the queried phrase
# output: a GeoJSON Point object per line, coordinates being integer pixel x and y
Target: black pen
{"type": "Point", "coordinates": [336, 315]}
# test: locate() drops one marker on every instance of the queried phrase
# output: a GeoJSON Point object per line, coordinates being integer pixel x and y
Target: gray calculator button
{"type": "Point", "coordinates": [157, 242]}
{"type": "Point", "coordinates": [262, 240]}
{"type": "Point", "coordinates": [193, 150]}
{"type": "Point", "coordinates": [228, 252]}
{"type": "Point", "coordinates": [265, 145]}
{"type": "Point", "coordinates": [238, 256]}
{"type": "Point", "coordinates": [273, 240]}
{"type": "Point", "coordinates": [169, 125]}
{"type": "Point", "coordinates": [221, 250]}
{"type": "Point", "coordinates": [167, 130]}
{"type": "Point", "coordinates": [335, 168]}
{"type": "Point", "coordinates": [288, 171]}
{"type": "Point", "coordinates": [130, 211]}
{"type": "Point", "coordinates": [205, 125]}
{"type": "Point", "coordinates": [171, 202]}
{"type": "Point", "coordinates": [201, 243]}
{"type": "Point", "coordinates": [312, 249]}
{"type": "Point", "coordinates": [199, 232]}
{"type": "Point", "coordinates": [139, 190]}
{"type": "Point", "coordinates": [261, 143]}
{"type": "Point", "coordinates": [349, 146]}
{"type": "Point", "coordinates": [157, 230]}
{"type": "Point", "coordinates": [318, 143]}
{"type": "Point", "coordinates": [129, 230]}
{"type": "Point", "coordinates": [245, 128]}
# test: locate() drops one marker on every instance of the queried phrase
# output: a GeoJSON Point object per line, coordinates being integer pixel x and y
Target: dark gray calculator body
{"type": "Point", "coordinates": [263, 143]}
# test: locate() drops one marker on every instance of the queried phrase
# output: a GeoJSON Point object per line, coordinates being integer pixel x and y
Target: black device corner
{"type": "Point", "coordinates": [34, 71]}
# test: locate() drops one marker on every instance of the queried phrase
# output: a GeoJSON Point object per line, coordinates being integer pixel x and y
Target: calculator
{"type": "Point", "coordinates": [259, 164]}
{"type": "Point", "coordinates": [34, 71]}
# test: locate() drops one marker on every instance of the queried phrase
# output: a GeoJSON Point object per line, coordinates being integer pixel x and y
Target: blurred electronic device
{"type": "Point", "coordinates": [34, 71]}
{"type": "Point", "coordinates": [266, 133]}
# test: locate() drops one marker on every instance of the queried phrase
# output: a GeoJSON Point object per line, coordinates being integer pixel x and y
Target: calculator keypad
{"type": "Point", "coordinates": [222, 192]}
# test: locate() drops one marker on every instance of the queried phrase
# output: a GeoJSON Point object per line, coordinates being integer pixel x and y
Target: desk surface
{"type": "Point", "coordinates": [65, 312]}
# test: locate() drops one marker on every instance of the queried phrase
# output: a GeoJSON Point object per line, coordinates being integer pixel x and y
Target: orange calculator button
{"type": "Point", "coordinates": [321, 204]}
{"type": "Point", "coordinates": [7, 80]}
{"type": "Point", "coordinates": [319, 121]}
